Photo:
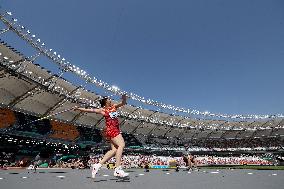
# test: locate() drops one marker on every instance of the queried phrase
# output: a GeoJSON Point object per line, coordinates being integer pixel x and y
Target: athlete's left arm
{"type": "Point", "coordinates": [123, 102]}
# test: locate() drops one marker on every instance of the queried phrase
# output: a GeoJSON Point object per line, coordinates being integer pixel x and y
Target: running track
{"type": "Point", "coordinates": [158, 179]}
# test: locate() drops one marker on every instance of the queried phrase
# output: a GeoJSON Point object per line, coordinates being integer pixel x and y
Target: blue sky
{"type": "Point", "coordinates": [222, 56]}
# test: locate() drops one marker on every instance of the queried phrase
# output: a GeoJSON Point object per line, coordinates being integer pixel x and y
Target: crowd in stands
{"type": "Point", "coordinates": [242, 160]}
{"type": "Point", "coordinates": [71, 163]}
{"type": "Point", "coordinates": [245, 143]}
{"type": "Point", "coordinates": [140, 161]}
{"type": "Point", "coordinates": [237, 144]}
{"type": "Point", "coordinates": [63, 131]}
{"type": "Point", "coordinates": [6, 158]}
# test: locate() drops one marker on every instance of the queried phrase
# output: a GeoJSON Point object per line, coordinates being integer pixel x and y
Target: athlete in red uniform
{"type": "Point", "coordinates": [111, 133]}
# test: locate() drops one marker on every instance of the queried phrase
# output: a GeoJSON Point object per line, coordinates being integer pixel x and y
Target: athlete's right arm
{"type": "Point", "coordinates": [95, 110]}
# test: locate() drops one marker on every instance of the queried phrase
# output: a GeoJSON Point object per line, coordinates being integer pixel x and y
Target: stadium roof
{"type": "Point", "coordinates": [31, 89]}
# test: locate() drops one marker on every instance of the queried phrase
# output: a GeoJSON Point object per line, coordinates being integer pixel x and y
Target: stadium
{"type": "Point", "coordinates": [38, 121]}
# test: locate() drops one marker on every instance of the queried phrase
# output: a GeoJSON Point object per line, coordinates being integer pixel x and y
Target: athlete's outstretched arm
{"type": "Point", "coordinates": [123, 102]}
{"type": "Point", "coordinates": [91, 110]}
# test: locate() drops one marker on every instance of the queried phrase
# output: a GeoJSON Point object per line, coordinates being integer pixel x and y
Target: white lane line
{"type": "Point", "coordinates": [214, 172]}
{"type": "Point", "coordinates": [141, 174]}
{"type": "Point", "coordinates": [24, 177]}
{"type": "Point", "coordinates": [189, 172]}
{"type": "Point", "coordinates": [60, 176]}
{"type": "Point", "coordinates": [105, 175]}
{"type": "Point", "coordinates": [274, 174]}
{"type": "Point", "coordinates": [168, 173]}
{"type": "Point", "coordinates": [1, 178]}
{"type": "Point", "coordinates": [250, 173]}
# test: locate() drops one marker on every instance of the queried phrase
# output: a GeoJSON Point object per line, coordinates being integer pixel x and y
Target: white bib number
{"type": "Point", "coordinates": [113, 115]}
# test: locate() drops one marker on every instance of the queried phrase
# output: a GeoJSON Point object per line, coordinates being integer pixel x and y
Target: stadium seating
{"type": "Point", "coordinates": [7, 118]}
{"type": "Point", "coordinates": [63, 131]}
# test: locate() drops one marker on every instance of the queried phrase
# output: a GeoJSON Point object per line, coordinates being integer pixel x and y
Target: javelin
{"type": "Point", "coordinates": [48, 116]}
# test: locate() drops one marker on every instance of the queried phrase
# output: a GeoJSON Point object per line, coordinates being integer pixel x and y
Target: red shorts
{"type": "Point", "coordinates": [112, 132]}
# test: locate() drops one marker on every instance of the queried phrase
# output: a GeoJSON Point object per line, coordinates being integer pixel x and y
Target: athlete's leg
{"type": "Point", "coordinates": [110, 153]}
{"type": "Point", "coordinates": [95, 167]}
{"type": "Point", "coordinates": [119, 142]}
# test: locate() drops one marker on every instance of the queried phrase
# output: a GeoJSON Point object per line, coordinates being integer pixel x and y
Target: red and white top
{"type": "Point", "coordinates": [112, 124]}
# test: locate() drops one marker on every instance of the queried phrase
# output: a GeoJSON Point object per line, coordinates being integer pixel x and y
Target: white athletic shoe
{"type": "Point", "coordinates": [95, 168]}
{"type": "Point", "coordinates": [118, 172]}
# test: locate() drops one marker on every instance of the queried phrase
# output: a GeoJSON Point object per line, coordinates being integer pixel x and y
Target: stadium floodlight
{"type": "Point", "coordinates": [15, 19]}
{"type": "Point", "coordinates": [9, 13]}
{"type": "Point", "coordinates": [38, 40]}
{"type": "Point", "coordinates": [115, 88]}
{"type": "Point", "coordinates": [42, 44]}
{"type": "Point", "coordinates": [4, 30]}
{"type": "Point", "coordinates": [28, 31]}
